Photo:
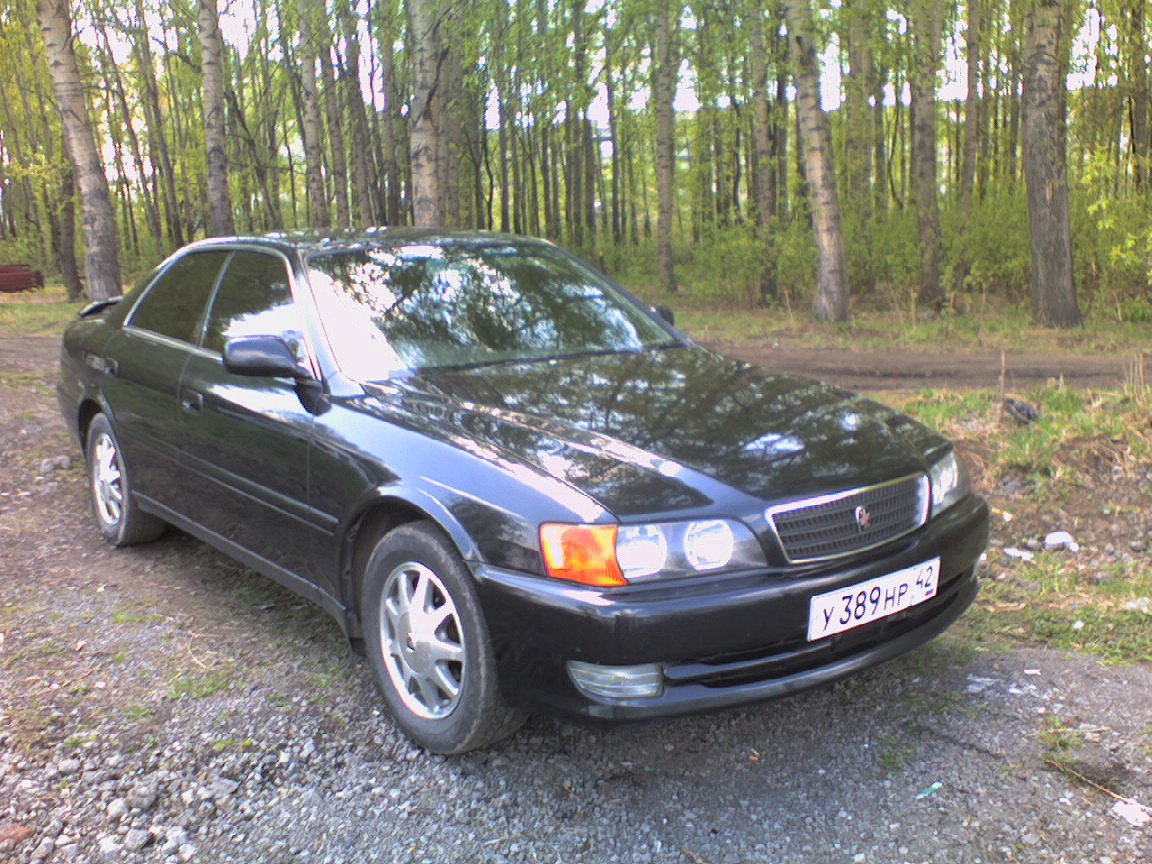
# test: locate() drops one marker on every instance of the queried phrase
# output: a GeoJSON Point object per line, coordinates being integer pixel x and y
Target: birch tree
{"type": "Point", "coordinates": [101, 239]}
{"type": "Point", "coordinates": [1045, 166]}
{"type": "Point", "coordinates": [830, 302]}
{"type": "Point", "coordinates": [215, 142]}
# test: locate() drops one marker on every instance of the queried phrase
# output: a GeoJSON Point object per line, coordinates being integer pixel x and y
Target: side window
{"type": "Point", "coordinates": [174, 305]}
{"type": "Point", "coordinates": [253, 300]}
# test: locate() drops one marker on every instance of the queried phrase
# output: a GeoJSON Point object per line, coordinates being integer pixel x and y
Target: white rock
{"type": "Point", "coordinates": [1061, 540]}
{"type": "Point", "coordinates": [136, 839]}
{"type": "Point", "coordinates": [1133, 812]}
{"type": "Point", "coordinates": [107, 845]}
{"type": "Point", "coordinates": [222, 787]}
{"type": "Point", "coordinates": [43, 849]}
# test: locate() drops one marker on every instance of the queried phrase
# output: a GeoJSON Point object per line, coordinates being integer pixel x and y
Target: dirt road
{"type": "Point", "coordinates": [900, 369]}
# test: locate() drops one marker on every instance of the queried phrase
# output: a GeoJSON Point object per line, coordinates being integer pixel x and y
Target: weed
{"type": "Point", "coordinates": [1056, 737]}
{"type": "Point", "coordinates": [222, 744]}
{"type": "Point", "coordinates": [939, 408]}
{"type": "Point", "coordinates": [137, 711]}
{"type": "Point", "coordinates": [892, 754]}
{"type": "Point", "coordinates": [123, 616]}
{"type": "Point", "coordinates": [1045, 602]}
{"type": "Point", "coordinates": [79, 739]}
{"type": "Point", "coordinates": [199, 685]}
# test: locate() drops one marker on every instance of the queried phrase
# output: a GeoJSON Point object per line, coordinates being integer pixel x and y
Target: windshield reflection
{"type": "Point", "coordinates": [462, 304]}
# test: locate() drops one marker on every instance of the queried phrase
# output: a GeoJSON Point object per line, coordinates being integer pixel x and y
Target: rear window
{"type": "Point", "coordinates": [174, 305]}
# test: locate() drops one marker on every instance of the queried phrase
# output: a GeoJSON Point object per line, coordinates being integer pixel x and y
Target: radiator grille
{"type": "Point", "coordinates": [829, 526]}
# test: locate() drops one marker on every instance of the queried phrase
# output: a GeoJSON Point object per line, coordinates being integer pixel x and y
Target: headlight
{"type": "Point", "coordinates": [949, 481]}
{"type": "Point", "coordinates": [606, 555]}
{"type": "Point", "coordinates": [709, 545]}
{"type": "Point", "coordinates": [641, 550]}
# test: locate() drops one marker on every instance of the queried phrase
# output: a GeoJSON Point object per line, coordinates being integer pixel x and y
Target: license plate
{"type": "Point", "coordinates": [857, 605]}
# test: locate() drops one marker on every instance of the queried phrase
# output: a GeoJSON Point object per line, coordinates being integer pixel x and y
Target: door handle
{"type": "Point", "coordinates": [191, 401]}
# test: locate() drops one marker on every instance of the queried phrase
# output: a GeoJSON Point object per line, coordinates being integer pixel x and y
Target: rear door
{"type": "Point", "coordinates": [246, 439]}
{"type": "Point", "coordinates": [144, 362]}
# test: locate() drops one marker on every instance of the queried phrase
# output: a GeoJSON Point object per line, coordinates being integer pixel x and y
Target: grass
{"type": "Point", "coordinates": [994, 325]}
{"type": "Point", "coordinates": [892, 753]}
{"type": "Point", "coordinates": [121, 616]}
{"type": "Point", "coordinates": [38, 313]}
{"type": "Point", "coordinates": [222, 744]}
{"type": "Point", "coordinates": [137, 711]}
{"type": "Point", "coordinates": [1081, 441]}
{"type": "Point", "coordinates": [200, 685]}
{"type": "Point", "coordinates": [1059, 742]}
{"type": "Point", "coordinates": [1074, 428]}
{"type": "Point", "coordinates": [1064, 611]}
{"type": "Point", "coordinates": [79, 739]}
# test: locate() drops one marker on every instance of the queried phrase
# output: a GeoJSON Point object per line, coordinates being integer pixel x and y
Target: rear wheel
{"type": "Point", "coordinates": [428, 644]}
{"type": "Point", "coordinates": [122, 522]}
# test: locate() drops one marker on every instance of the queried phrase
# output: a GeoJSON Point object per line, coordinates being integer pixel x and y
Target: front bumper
{"type": "Point", "coordinates": [722, 641]}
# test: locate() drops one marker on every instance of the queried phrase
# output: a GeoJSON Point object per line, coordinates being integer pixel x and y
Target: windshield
{"type": "Point", "coordinates": [427, 305]}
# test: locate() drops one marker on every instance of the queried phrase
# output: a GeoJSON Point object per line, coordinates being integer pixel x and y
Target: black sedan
{"type": "Point", "coordinates": [512, 483]}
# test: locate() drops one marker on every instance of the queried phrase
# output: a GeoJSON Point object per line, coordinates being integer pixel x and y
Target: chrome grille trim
{"type": "Point", "coordinates": [828, 529]}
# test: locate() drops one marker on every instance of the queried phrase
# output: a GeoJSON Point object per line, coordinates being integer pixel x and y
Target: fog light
{"type": "Point", "coordinates": [617, 682]}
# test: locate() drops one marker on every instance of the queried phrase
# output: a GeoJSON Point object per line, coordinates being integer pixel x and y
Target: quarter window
{"type": "Point", "coordinates": [174, 305]}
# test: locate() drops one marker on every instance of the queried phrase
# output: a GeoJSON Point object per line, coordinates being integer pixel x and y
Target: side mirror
{"type": "Point", "coordinates": [665, 313]}
{"type": "Point", "coordinates": [266, 356]}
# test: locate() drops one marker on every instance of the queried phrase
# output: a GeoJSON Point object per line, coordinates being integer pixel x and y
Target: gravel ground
{"type": "Point", "coordinates": [161, 704]}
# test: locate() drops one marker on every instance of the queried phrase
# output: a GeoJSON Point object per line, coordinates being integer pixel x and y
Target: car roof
{"type": "Point", "coordinates": [315, 240]}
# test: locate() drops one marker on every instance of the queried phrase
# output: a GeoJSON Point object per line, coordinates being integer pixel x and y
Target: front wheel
{"type": "Point", "coordinates": [428, 644]}
{"type": "Point", "coordinates": [122, 522]}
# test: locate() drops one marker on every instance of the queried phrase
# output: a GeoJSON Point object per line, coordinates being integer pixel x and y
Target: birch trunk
{"type": "Point", "coordinates": [311, 126]}
{"type": "Point", "coordinates": [215, 141]}
{"type": "Point", "coordinates": [339, 163]}
{"type": "Point", "coordinates": [102, 255]}
{"type": "Point", "coordinates": [361, 204]}
{"type": "Point", "coordinates": [427, 51]}
{"type": "Point", "coordinates": [831, 300]}
{"type": "Point", "coordinates": [928, 25]}
{"type": "Point", "coordinates": [667, 62]}
{"type": "Point", "coordinates": [1045, 167]}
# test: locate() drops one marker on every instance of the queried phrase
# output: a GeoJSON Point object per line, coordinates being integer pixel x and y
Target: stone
{"type": "Point", "coordinates": [69, 766]}
{"type": "Point", "coordinates": [136, 839]}
{"type": "Point", "coordinates": [223, 787]}
{"type": "Point", "coordinates": [43, 849]}
{"type": "Point", "coordinates": [142, 797]}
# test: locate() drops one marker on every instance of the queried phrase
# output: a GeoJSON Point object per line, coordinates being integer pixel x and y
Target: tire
{"type": "Point", "coordinates": [122, 522]}
{"type": "Point", "coordinates": [428, 643]}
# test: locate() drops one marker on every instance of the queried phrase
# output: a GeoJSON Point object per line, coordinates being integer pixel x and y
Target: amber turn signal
{"type": "Point", "coordinates": [581, 553]}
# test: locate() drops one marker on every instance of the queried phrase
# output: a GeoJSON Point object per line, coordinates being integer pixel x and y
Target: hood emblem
{"type": "Point", "coordinates": [863, 518]}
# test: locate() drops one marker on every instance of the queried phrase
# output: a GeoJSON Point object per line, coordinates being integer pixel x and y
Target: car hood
{"type": "Point", "coordinates": [676, 428]}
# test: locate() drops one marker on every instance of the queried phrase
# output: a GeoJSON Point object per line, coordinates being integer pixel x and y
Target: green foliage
{"type": "Point", "coordinates": [986, 244]}
{"type": "Point", "coordinates": [884, 252]}
{"type": "Point", "coordinates": [1115, 234]}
